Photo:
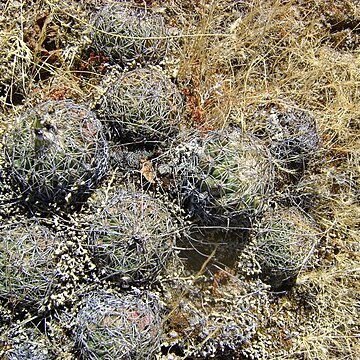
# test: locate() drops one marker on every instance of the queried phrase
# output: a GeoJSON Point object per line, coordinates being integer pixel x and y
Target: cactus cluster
{"type": "Point", "coordinates": [100, 265]}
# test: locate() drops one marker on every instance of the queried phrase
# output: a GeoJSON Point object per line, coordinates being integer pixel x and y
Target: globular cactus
{"type": "Point", "coordinates": [57, 154]}
{"type": "Point", "coordinates": [124, 326]}
{"type": "Point", "coordinates": [224, 178]}
{"type": "Point", "coordinates": [142, 105]}
{"type": "Point", "coordinates": [129, 35]}
{"type": "Point", "coordinates": [286, 241]}
{"type": "Point", "coordinates": [27, 265]}
{"type": "Point", "coordinates": [130, 235]}
{"type": "Point", "coordinates": [293, 138]}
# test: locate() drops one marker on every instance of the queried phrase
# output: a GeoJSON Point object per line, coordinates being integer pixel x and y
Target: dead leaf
{"type": "Point", "coordinates": [147, 171]}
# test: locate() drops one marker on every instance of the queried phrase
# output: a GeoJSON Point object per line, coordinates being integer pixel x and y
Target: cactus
{"type": "Point", "coordinates": [140, 105]}
{"type": "Point", "coordinates": [131, 235]}
{"type": "Point", "coordinates": [293, 138]}
{"type": "Point", "coordinates": [225, 178]}
{"type": "Point", "coordinates": [27, 269]}
{"type": "Point", "coordinates": [286, 241]}
{"type": "Point", "coordinates": [119, 327]}
{"type": "Point", "coordinates": [57, 154]}
{"type": "Point", "coordinates": [129, 35]}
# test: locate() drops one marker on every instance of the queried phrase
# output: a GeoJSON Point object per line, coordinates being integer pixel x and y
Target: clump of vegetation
{"type": "Point", "coordinates": [38, 40]}
{"type": "Point", "coordinates": [235, 59]}
{"type": "Point", "coordinates": [286, 243]}
{"type": "Point", "coordinates": [142, 105]}
{"type": "Point", "coordinates": [27, 270]}
{"type": "Point", "coordinates": [130, 35]}
{"type": "Point", "coordinates": [225, 178]}
{"type": "Point", "coordinates": [131, 234]}
{"type": "Point", "coordinates": [126, 326]}
{"type": "Point", "coordinates": [57, 154]}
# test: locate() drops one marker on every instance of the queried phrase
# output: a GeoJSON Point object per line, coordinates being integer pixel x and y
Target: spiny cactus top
{"type": "Point", "coordinates": [293, 137]}
{"type": "Point", "coordinates": [129, 35]}
{"type": "Point", "coordinates": [286, 241]}
{"type": "Point", "coordinates": [130, 234]}
{"type": "Point", "coordinates": [224, 178]}
{"type": "Point", "coordinates": [142, 105]}
{"type": "Point", "coordinates": [120, 327]}
{"type": "Point", "coordinates": [57, 154]}
{"type": "Point", "coordinates": [27, 268]}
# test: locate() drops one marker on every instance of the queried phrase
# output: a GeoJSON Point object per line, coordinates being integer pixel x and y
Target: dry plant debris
{"type": "Point", "coordinates": [24, 342]}
{"type": "Point", "coordinates": [214, 317]}
{"type": "Point", "coordinates": [39, 38]}
{"type": "Point", "coordinates": [14, 79]}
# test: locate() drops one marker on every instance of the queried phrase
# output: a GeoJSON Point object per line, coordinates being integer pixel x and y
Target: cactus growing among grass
{"type": "Point", "coordinates": [293, 138]}
{"type": "Point", "coordinates": [57, 154]}
{"type": "Point", "coordinates": [129, 35]}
